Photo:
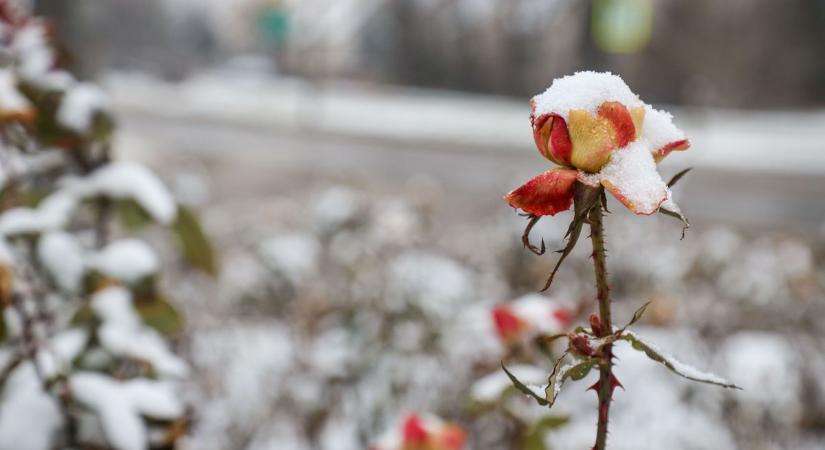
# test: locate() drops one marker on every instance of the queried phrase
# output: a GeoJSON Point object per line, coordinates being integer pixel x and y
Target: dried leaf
{"type": "Point", "coordinates": [637, 315]}
{"type": "Point", "coordinates": [678, 177]}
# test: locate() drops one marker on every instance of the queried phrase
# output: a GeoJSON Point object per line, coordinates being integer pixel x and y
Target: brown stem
{"type": "Point", "coordinates": [605, 385]}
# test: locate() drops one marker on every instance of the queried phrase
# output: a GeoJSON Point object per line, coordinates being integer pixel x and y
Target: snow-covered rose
{"type": "Point", "coordinates": [601, 133]}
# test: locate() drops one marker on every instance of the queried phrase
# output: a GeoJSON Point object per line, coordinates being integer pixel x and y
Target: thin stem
{"type": "Point", "coordinates": [605, 385]}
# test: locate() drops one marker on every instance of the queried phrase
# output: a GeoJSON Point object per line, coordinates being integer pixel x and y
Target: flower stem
{"type": "Point", "coordinates": [605, 385]}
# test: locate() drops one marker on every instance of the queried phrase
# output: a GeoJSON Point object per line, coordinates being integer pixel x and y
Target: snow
{"type": "Point", "coordinates": [767, 366]}
{"type": "Point", "coordinates": [6, 253]}
{"type": "Point", "coordinates": [658, 128]}
{"type": "Point", "coordinates": [63, 257]}
{"type": "Point", "coordinates": [79, 105]}
{"type": "Point", "coordinates": [335, 208]}
{"type": "Point", "coordinates": [126, 260]}
{"type": "Point", "coordinates": [491, 387]}
{"type": "Point", "coordinates": [130, 180]}
{"type": "Point", "coordinates": [537, 310]}
{"type": "Point", "coordinates": [294, 255]}
{"type": "Point", "coordinates": [123, 426]}
{"type": "Point", "coordinates": [11, 100]}
{"type": "Point", "coordinates": [435, 283]}
{"type": "Point", "coordinates": [123, 334]}
{"type": "Point", "coordinates": [53, 212]}
{"type": "Point", "coordinates": [61, 350]}
{"type": "Point", "coordinates": [632, 171]}
{"type": "Point", "coordinates": [29, 416]}
{"type": "Point", "coordinates": [155, 399]}
{"type": "Point", "coordinates": [583, 90]}
{"type": "Point", "coordinates": [35, 55]}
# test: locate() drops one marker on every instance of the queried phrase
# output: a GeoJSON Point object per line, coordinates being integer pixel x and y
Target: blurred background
{"type": "Point", "coordinates": [348, 158]}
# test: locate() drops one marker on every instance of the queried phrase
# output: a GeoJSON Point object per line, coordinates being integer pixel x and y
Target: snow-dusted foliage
{"type": "Point", "coordinates": [86, 361]}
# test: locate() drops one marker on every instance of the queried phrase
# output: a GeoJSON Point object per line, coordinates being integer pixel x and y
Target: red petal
{"type": "Point", "coordinates": [452, 437]}
{"type": "Point", "coordinates": [552, 138]}
{"type": "Point", "coordinates": [508, 325]}
{"type": "Point", "coordinates": [414, 431]}
{"type": "Point", "coordinates": [618, 115]}
{"type": "Point", "coordinates": [660, 154]}
{"type": "Point", "coordinates": [563, 315]}
{"type": "Point", "coordinates": [546, 194]}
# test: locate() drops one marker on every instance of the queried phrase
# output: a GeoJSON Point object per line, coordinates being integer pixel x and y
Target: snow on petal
{"type": "Point", "coordinates": [79, 106]}
{"type": "Point", "coordinates": [546, 194]}
{"type": "Point", "coordinates": [632, 178]}
{"type": "Point", "coordinates": [63, 257]}
{"type": "Point", "coordinates": [663, 135]}
{"type": "Point", "coordinates": [129, 180]}
{"type": "Point", "coordinates": [122, 424]}
{"type": "Point", "coordinates": [585, 91]}
{"type": "Point", "coordinates": [126, 260]}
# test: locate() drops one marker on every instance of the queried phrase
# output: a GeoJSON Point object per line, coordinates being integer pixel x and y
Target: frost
{"type": "Point", "coordinates": [491, 387]}
{"type": "Point", "coordinates": [294, 255]}
{"type": "Point", "coordinates": [583, 90]}
{"type": "Point", "coordinates": [127, 260]}
{"type": "Point", "coordinates": [79, 105]}
{"type": "Point", "coordinates": [658, 128]}
{"type": "Point", "coordinates": [129, 180]}
{"type": "Point", "coordinates": [123, 334]}
{"type": "Point", "coordinates": [631, 173]}
{"type": "Point", "coordinates": [62, 255]}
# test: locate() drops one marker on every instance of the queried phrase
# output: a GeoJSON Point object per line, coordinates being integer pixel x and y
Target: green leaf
{"type": "Point", "coordinates": [676, 366]}
{"type": "Point", "coordinates": [575, 371]}
{"type": "Point", "coordinates": [131, 215]}
{"type": "Point", "coordinates": [523, 387]}
{"type": "Point", "coordinates": [533, 437]}
{"type": "Point", "coordinates": [197, 250]}
{"type": "Point", "coordinates": [161, 315]}
{"type": "Point", "coordinates": [637, 315]}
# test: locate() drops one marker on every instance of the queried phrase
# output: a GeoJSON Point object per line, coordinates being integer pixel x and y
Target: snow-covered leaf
{"type": "Point", "coordinates": [126, 260]}
{"type": "Point", "coordinates": [560, 375]}
{"type": "Point", "coordinates": [525, 389]}
{"type": "Point", "coordinates": [62, 255]}
{"type": "Point", "coordinates": [676, 366]}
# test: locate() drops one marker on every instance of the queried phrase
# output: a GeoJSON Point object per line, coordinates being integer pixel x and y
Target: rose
{"type": "Point", "coordinates": [593, 126]}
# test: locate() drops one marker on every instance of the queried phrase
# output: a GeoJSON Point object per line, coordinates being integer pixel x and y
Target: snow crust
{"type": "Point", "coordinates": [583, 90]}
